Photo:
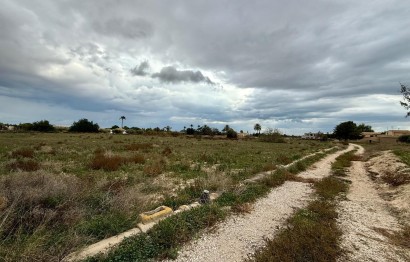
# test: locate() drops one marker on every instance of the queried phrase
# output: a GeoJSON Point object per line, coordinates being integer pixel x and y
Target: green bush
{"type": "Point", "coordinates": [85, 126]}
{"type": "Point", "coordinates": [404, 138]}
{"type": "Point", "coordinates": [231, 134]}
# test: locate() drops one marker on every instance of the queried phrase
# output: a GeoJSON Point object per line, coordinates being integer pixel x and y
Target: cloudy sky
{"type": "Point", "coordinates": [294, 65]}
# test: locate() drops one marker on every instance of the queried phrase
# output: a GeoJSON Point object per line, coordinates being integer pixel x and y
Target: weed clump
{"type": "Point", "coordinates": [107, 162]}
{"type": "Point", "coordinates": [155, 167]}
{"type": "Point", "coordinates": [23, 152]}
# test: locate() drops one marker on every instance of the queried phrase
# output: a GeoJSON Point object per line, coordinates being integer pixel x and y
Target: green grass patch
{"type": "Point", "coordinates": [404, 155]}
{"type": "Point", "coordinates": [165, 237]}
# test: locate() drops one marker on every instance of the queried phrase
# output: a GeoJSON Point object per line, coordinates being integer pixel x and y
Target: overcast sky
{"type": "Point", "coordinates": [298, 66]}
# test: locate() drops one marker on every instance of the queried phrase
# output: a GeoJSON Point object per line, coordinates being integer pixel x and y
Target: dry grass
{"type": "Point", "coordinates": [400, 238]}
{"type": "Point", "coordinates": [67, 203]}
{"type": "Point", "coordinates": [396, 179]}
{"type": "Point", "coordinates": [23, 152]}
{"type": "Point", "coordinates": [155, 167]}
{"type": "Point", "coordinates": [137, 159]}
{"type": "Point", "coordinates": [107, 162]}
{"type": "Point", "coordinates": [139, 146]}
{"type": "Point", "coordinates": [242, 208]}
{"type": "Point", "coordinates": [269, 167]}
{"type": "Point", "coordinates": [28, 165]}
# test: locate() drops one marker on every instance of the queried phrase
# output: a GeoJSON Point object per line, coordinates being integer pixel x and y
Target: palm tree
{"type": "Point", "coordinates": [257, 128]}
{"type": "Point", "coordinates": [122, 120]}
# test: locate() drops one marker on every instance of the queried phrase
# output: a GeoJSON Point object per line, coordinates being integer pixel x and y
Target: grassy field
{"type": "Point", "coordinates": [61, 191]}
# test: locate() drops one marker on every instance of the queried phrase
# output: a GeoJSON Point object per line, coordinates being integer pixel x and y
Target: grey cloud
{"type": "Point", "coordinates": [170, 74]}
{"type": "Point", "coordinates": [135, 28]}
{"type": "Point", "coordinates": [140, 70]}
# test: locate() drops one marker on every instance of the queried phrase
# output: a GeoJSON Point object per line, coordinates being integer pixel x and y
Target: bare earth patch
{"type": "Point", "coordinates": [398, 196]}
{"type": "Point", "coordinates": [366, 221]}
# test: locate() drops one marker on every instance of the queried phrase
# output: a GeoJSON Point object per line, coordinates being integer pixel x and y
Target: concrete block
{"type": "Point", "coordinates": [156, 214]}
{"type": "Point", "coordinates": [102, 246]}
{"type": "Point", "coordinates": [145, 227]}
{"type": "Point", "coordinates": [184, 207]}
{"type": "Point", "coordinates": [195, 204]}
{"type": "Point", "coordinates": [213, 196]}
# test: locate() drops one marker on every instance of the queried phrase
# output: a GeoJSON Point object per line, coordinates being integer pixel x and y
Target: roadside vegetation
{"type": "Point", "coordinates": [62, 191]}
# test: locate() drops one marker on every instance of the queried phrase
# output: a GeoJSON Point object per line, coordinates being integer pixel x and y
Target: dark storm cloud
{"type": "Point", "coordinates": [170, 74]}
{"type": "Point", "coordinates": [293, 61]}
{"type": "Point", "coordinates": [141, 69]}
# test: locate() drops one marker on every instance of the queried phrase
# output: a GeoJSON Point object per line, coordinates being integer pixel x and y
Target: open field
{"type": "Point", "coordinates": [62, 191]}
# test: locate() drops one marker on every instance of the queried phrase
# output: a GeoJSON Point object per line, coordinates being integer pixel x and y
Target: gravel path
{"type": "Point", "coordinates": [239, 236]}
{"type": "Point", "coordinates": [323, 167]}
{"type": "Point", "coordinates": [363, 217]}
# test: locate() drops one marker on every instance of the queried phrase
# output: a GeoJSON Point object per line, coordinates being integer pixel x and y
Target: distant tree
{"type": "Point", "coordinates": [364, 128]}
{"type": "Point", "coordinates": [190, 131]}
{"type": "Point", "coordinates": [257, 128]}
{"type": "Point", "coordinates": [206, 130]}
{"type": "Point", "coordinates": [406, 98]}
{"type": "Point", "coordinates": [231, 133]}
{"type": "Point", "coordinates": [346, 130]}
{"type": "Point", "coordinates": [122, 120]}
{"type": "Point", "coordinates": [272, 135]}
{"type": "Point", "coordinates": [115, 127]}
{"type": "Point", "coordinates": [25, 126]}
{"type": "Point", "coordinates": [226, 128]}
{"type": "Point", "coordinates": [43, 126]}
{"type": "Point", "coordinates": [215, 131]}
{"type": "Point", "coordinates": [83, 125]}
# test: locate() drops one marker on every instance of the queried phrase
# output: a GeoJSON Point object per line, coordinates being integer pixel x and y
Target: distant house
{"type": "Point", "coordinates": [314, 136]}
{"type": "Point", "coordinates": [371, 136]}
{"type": "Point", "coordinates": [388, 136]}
{"type": "Point", "coordinates": [397, 133]}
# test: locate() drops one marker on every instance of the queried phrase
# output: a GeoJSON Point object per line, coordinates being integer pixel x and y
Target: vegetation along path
{"type": "Point", "coordinates": [237, 237]}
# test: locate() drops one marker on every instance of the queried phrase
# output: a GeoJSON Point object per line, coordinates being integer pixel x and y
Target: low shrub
{"type": "Point", "coordinates": [23, 152]}
{"type": "Point", "coordinates": [404, 138]}
{"type": "Point", "coordinates": [155, 167]}
{"type": "Point", "coordinates": [137, 159]}
{"type": "Point", "coordinates": [28, 165]}
{"type": "Point", "coordinates": [107, 162]}
{"type": "Point", "coordinates": [329, 187]}
{"type": "Point", "coordinates": [105, 225]}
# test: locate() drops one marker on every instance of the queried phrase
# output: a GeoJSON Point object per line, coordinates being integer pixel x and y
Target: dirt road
{"type": "Point", "coordinates": [239, 236]}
